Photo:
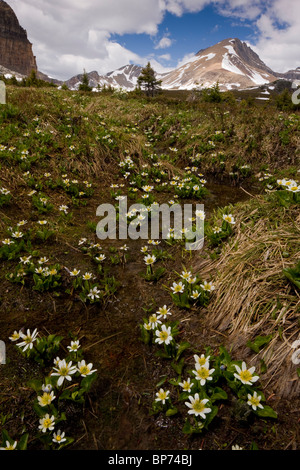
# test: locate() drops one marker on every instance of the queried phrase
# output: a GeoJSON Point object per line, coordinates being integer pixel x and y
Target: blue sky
{"type": "Point", "coordinates": [187, 34]}
{"type": "Point", "coordinates": [71, 35]}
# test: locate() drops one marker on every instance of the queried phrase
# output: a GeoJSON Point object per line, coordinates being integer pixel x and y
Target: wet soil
{"type": "Point", "coordinates": [116, 413]}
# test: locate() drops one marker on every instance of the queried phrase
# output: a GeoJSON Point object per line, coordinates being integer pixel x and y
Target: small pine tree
{"type": "Point", "coordinates": [284, 102]}
{"type": "Point", "coordinates": [213, 94]}
{"type": "Point", "coordinates": [148, 81]}
{"type": "Point", "coordinates": [84, 85]}
{"type": "Point", "coordinates": [32, 80]}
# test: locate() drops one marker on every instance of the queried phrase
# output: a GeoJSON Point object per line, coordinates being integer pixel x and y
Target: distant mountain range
{"type": "Point", "coordinates": [231, 63]}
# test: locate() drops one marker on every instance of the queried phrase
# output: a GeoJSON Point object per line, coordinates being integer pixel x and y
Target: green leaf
{"type": "Point", "coordinates": [174, 382]}
{"type": "Point", "coordinates": [87, 382]}
{"type": "Point", "coordinates": [259, 343]}
{"type": "Point", "coordinates": [218, 394]}
{"type": "Point", "coordinates": [6, 437]}
{"type": "Point", "coordinates": [161, 382]}
{"type": "Point", "coordinates": [22, 444]}
{"type": "Point", "coordinates": [68, 441]}
{"type": "Point", "coordinates": [35, 384]}
{"type": "Point", "coordinates": [182, 347]}
{"type": "Point", "coordinates": [224, 356]}
{"type": "Point", "coordinates": [187, 428]}
{"type": "Point", "coordinates": [145, 335]}
{"type": "Point", "coordinates": [178, 366]}
{"type": "Point", "coordinates": [172, 411]}
{"type": "Point", "coordinates": [263, 366]}
{"type": "Point", "coordinates": [163, 354]}
{"type": "Point", "coordinates": [266, 412]}
{"type": "Point", "coordinates": [211, 415]}
{"type": "Point", "coordinates": [293, 275]}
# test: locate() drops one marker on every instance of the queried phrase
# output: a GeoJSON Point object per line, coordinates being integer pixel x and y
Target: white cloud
{"type": "Point", "coordinates": [164, 43]}
{"type": "Point", "coordinates": [165, 57]}
{"type": "Point", "coordinates": [279, 35]}
{"type": "Point", "coordinates": [69, 35]}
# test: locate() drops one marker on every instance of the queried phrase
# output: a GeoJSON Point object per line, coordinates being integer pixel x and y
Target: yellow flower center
{"type": "Point", "coordinates": [201, 361]}
{"type": "Point", "coordinates": [152, 319]}
{"type": "Point", "coordinates": [254, 401]}
{"type": "Point", "coordinates": [203, 373]}
{"type": "Point", "coordinates": [64, 371]}
{"type": "Point", "coordinates": [245, 375]}
{"type": "Point", "coordinates": [84, 370]}
{"type": "Point", "coordinates": [177, 288]}
{"type": "Point", "coordinates": [46, 399]}
{"type": "Point", "coordinates": [47, 422]}
{"type": "Point", "coordinates": [164, 335]}
{"type": "Point", "coordinates": [198, 406]}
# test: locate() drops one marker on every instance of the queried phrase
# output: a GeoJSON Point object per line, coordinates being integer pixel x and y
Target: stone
{"type": "Point", "coordinates": [15, 48]}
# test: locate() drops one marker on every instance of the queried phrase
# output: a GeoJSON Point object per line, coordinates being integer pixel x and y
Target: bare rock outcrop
{"type": "Point", "coordinates": [15, 48]}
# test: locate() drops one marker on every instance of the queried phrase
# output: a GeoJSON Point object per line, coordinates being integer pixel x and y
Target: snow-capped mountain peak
{"type": "Point", "coordinates": [231, 63]}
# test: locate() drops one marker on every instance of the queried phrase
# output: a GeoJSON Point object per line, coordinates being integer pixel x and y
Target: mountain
{"type": "Point", "coordinates": [231, 63]}
{"type": "Point", "coordinates": [10, 73]}
{"type": "Point", "coordinates": [15, 49]}
{"type": "Point", "coordinates": [290, 75]}
{"type": "Point", "coordinates": [124, 77]}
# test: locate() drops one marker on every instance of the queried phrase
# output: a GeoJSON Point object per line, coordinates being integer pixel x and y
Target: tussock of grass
{"type": "Point", "coordinates": [253, 297]}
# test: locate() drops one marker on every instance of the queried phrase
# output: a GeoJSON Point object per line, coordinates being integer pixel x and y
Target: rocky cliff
{"type": "Point", "coordinates": [15, 49]}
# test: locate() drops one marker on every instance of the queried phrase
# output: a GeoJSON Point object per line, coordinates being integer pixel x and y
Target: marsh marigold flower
{"type": "Point", "coordinates": [254, 401]}
{"type": "Point", "coordinates": [64, 371]}
{"type": "Point", "coordinates": [246, 375]}
{"type": "Point", "coordinates": [162, 395]}
{"type": "Point", "coordinates": [197, 406]}
{"type": "Point", "coordinates": [163, 335]}
{"type": "Point", "coordinates": [47, 423]}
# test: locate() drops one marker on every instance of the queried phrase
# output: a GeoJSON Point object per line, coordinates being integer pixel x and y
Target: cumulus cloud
{"type": "Point", "coordinates": [276, 24]}
{"type": "Point", "coordinates": [164, 43]}
{"type": "Point", "coordinates": [279, 35]}
{"type": "Point", "coordinates": [69, 35]}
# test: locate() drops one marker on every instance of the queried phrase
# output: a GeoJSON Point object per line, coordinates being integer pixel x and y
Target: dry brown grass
{"type": "Point", "coordinates": [253, 297]}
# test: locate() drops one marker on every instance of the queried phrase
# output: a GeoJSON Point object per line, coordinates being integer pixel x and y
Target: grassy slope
{"type": "Point", "coordinates": [85, 137]}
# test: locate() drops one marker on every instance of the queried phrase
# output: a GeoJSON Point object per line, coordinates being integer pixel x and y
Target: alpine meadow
{"type": "Point", "coordinates": [149, 254]}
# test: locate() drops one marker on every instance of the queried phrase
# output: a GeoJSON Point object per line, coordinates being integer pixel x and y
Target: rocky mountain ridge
{"type": "Point", "coordinates": [15, 49]}
{"type": "Point", "coordinates": [231, 63]}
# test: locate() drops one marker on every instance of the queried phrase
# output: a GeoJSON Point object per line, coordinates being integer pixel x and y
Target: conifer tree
{"type": "Point", "coordinates": [84, 85]}
{"type": "Point", "coordinates": [147, 80]}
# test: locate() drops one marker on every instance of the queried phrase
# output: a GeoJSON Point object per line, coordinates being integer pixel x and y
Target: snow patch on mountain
{"type": "Point", "coordinates": [228, 65]}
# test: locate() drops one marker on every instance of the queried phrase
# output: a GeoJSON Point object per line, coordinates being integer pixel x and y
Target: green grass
{"type": "Point", "coordinates": [64, 153]}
